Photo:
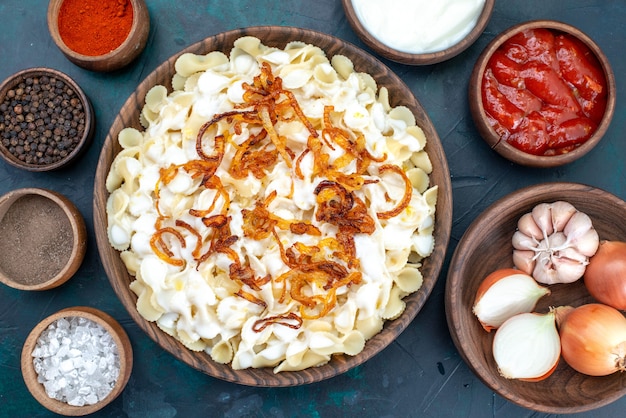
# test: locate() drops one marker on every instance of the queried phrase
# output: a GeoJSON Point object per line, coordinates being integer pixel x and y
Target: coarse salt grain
{"type": "Point", "coordinates": [77, 361]}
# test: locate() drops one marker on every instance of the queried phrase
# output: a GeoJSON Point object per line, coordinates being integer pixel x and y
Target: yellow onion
{"type": "Point", "coordinates": [593, 338]}
{"type": "Point", "coordinates": [605, 276]}
{"type": "Point", "coordinates": [527, 346]}
{"type": "Point", "coordinates": [503, 294]}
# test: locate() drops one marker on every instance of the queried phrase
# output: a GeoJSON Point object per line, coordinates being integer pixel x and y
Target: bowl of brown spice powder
{"type": "Point", "coordinates": [44, 239]}
{"type": "Point", "coordinates": [46, 120]}
{"type": "Point", "coordinates": [99, 35]}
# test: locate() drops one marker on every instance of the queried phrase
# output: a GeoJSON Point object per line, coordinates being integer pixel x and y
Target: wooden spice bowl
{"type": "Point", "coordinates": [482, 120]}
{"type": "Point", "coordinates": [487, 246]}
{"type": "Point", "coordinates": [116, 59]}
{"type": "Point", "coordinates": [413, 58]}
{"type": "Point", "coordinates": [120, 339]}
{"type": "Point", "coordinates": [44, 239]}
{"type": "Point", "coordinates": [62, 123]}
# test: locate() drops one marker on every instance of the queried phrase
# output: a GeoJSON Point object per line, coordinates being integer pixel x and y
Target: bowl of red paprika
{"type": "Point", "coordinates": [99, 35]}
{"type": "Point", "coordinates": [542, 93]}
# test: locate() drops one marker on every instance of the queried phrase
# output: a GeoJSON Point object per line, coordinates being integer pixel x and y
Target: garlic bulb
{"type": "Point", "coordinates": [553, 243]}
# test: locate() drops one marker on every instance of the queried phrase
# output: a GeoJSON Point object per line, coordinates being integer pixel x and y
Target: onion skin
{"type": "Point", "coordinates": [605, 276]}
{"type": "Point", "coordinates": [593, 338]}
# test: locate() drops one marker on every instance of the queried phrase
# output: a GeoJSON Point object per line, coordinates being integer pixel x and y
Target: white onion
{"type": "Point", "coordinates": [527, 346]}
{"type": "Point", "coordinates": [505, 293]}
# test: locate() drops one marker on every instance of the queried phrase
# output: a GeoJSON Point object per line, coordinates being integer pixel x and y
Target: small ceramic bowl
{"type": "Point", "coordinates": [119, 57]}
{"type": "Point", "coordinates": [44, 239]}
{"type": "Point", "coordinates": [485, 247]}
{"type": "Point", "coordinates": [417, 58]}
{"type": "Point", "coordinates": [41, 128]}
{"type": "Point", "coordinates": [482, 121]}
{"type": "Point", "coordinates": [119, 337]}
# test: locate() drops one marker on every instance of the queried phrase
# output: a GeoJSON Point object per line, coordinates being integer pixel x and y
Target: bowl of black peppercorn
{"type": "Point", "coordinates": [46, 120]}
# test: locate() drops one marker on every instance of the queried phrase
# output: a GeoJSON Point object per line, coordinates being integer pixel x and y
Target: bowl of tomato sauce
{"type": "Point", "coordinates": [542, 93]}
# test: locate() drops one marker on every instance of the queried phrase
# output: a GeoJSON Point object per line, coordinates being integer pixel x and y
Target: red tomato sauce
{"type": "Point", "coordinates": [544, 92]}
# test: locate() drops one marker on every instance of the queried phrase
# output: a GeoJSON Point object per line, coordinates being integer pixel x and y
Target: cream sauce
{"type": "Point", "coordinates": [418, 26]}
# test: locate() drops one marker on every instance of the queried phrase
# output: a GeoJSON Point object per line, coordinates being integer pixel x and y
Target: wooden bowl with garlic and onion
{"type": "Point", "coordinates": [487, 246]}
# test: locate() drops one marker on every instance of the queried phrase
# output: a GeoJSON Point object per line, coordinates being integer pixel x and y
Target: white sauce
{"type": "Point", "coordinates": [418, 26]}
{"type": "Point", "coordinates": [196, 302]}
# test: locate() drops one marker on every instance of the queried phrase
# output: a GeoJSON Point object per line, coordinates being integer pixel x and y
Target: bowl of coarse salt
{"type": "Point", "coordinates": [418, 32]}
{"type": "Point", "coordinates": [77, 361]}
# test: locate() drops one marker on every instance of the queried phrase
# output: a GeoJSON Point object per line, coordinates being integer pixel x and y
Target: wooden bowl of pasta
{"type": "Point", "coordinates": [117, 180]}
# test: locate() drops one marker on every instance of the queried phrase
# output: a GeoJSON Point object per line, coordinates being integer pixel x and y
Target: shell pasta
{"type": "Point", "coordinates": [275, 210]}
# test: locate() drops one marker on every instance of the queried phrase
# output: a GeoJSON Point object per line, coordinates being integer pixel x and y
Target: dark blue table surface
{"type": "Point", "coordinates": [421, 373]}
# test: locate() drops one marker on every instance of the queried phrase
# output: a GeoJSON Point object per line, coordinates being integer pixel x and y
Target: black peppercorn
{"type": "Point", "coordinates": [41, 119]}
